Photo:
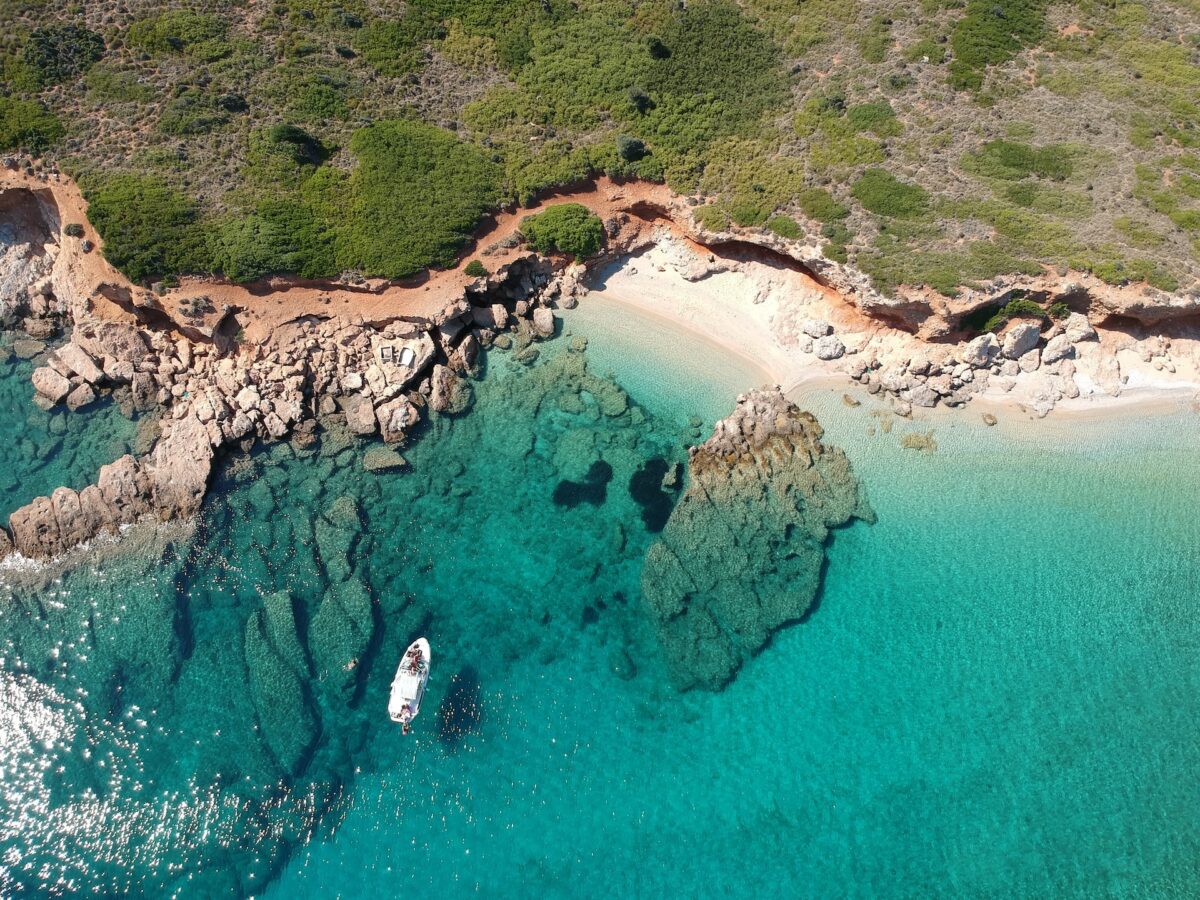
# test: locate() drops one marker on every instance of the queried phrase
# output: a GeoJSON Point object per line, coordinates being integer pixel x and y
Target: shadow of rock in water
{"type": "Point", "coordinates": [461, 709]}
{"type": "Point", "coordinates": [646, 488]}
{"type": "Point", "coordinates": [593, 489]}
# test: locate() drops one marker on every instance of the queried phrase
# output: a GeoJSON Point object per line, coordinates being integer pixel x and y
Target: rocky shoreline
{"type": "Point", "coordinates": [379, 378]}
{"type": "Point", "coordinates": [227, 374]}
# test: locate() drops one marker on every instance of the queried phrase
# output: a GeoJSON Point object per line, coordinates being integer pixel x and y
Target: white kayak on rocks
{"type": "Point", "coordinates": [408, 687]}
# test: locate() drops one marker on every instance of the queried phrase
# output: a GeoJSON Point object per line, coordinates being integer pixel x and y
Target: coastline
{"type": "Point", "coordinates": [751, 316]}
{"type": "Point", "coordinates": [230, 365]}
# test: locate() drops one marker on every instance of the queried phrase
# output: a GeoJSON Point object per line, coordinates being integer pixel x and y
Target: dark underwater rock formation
{"type": "Point", "coordinates": [340, 634]}
{"type": "Point", "coordinates": [741, 553]}
{"type": "Point", "coordinates": [278, 672]}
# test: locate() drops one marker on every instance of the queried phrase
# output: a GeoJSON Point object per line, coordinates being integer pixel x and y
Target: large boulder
{"type": "Point", "coordinates": [742, 551]}
{"type": "Point", "coordinates": [1058, 347]}
{"type": "Point", "coordinates": [396, 418]}
{"type": "Point", "coordinates": [1078, 328]}
{"type": "Point", "coordinates": [117, 340]}
{"type": "Point", "coordinates": [179, 467]}
{"type": "Point", "coordinates": [35, 530]}
{"type": "Point", "coordinates": [79, 362]}
{"type": "Point", "coordinates": [383, 459]}
{"type": "Point", "coordinates": [360, 415]}
{"type": "Point", "coordinates": [1020, 339]}
{"type": "Point", "coordinates": [50, 384]}
{"type": "Point", "coordinates": [124, 489]}
{"type": "Point", "coordinates": [543, 322]}
{"type": "Point", "coordinates": [816, 328]}
{"type": "Point", "coordinates": [829, 347]}
{"type": "Point", "coordinates": [981, 351]}
{"type": "Point", "coordinates": [80, 396]}
{"type": "Point", "coordinates": [448, 393]}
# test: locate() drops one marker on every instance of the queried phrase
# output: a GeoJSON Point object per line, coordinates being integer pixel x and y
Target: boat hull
{"type": "Point", "coordinates": [408, 685]}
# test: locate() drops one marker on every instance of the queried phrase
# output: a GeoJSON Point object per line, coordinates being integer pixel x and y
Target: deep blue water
{"type": "Point", "coordinates": [997, 694]}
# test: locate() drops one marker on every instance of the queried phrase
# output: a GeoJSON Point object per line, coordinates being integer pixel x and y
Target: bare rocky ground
{"type": "Point", "coordinates": [228, 365]}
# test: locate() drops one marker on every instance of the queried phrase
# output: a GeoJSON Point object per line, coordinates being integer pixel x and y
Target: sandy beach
{"type": "Point", "coordinates": [755, 311]}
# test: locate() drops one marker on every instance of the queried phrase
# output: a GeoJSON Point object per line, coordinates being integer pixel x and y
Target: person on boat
{"type": "Point", "coordinates": [405, 719]}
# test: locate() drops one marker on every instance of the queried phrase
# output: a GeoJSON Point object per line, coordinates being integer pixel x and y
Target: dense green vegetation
{"type": "Point", "coordinates": [27, 125]}
{"type": "Point", "coordinates": [414, 199]}
{"type": "Point", "coordinates": [148, 227]}
{"type": "Point", "coordinates": [58, 52]}
{"type": "Point", "coordinates": [941, 143]}
{"type": "Point", "coordinates": [564, 228]}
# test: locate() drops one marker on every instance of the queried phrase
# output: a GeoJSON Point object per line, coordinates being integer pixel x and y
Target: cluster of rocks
{"type": "Point", "coordinates": [952, 375]}
{"type": "Point", "coordinates": [380, 377]}
{"type": "Point", "coordinates": [741, 552]}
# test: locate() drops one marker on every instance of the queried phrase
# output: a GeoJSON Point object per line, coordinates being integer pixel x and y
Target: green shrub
{"type": "Point", "coordinates": [198, 35]}
{"type": "Point", "coordinates": [396, 47]}
{"type": "Point", "coordinates": [113, 86]}
{"type": "Point", "coordinates": [711, 216]}
{"type": "Point", "coordinates": [414, 198]}
{"type": "Point", "coordinates": [1012, 161]}
{"type": "Point", "coordinates": [836, 252]}
{"type": "Point", "coordinates": [878, 117]}
{"type": "Point", "coordinates": [1020, 308]}
{"type": "Point", "coordinates": [785, 227]}
{"type": "Point", "coordinates": [874, 40]}
{"type": "Point", "coordinates": [566, 228]}
{"type": "Point", "coordinates": [630, 148]}
{"type": "Point", "coordinates": [56, 53]}
{"type": "Point", "coordinates": [149, 229]}
{"type": "Point", "coordinates": [748, 211]}
{"type": "Point", "coordinates": [926, 49]}
{"type": "Point", "coordinates": [476, 269]}
{"type": "Point", "coordinates": [27, 125]}
{"type": "Point", "coordinates": [818, 203]}
{"type": "Point", "coordinates": [883, 194]}
{"type": "Point", "coordinates": [192, 112]}
{"type": "Point", "coordinates": [279, 236]}
{"type": "Point", "coordinates": [992, 32]}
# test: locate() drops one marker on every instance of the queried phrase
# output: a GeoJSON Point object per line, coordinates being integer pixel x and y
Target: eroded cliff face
{"type": "Point", "coordinates": [741, 553]}
{"type": "Point", "coordinates": [29, 249]}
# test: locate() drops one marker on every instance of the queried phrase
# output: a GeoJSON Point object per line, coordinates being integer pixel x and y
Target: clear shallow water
{"type": "Point", "coordinates": [45, 450]}
{"type": "Point", "coordinates": [996, 694]}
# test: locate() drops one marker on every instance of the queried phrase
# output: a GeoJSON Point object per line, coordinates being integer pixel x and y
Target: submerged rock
{"type": "Point", "coordinates": [383, 459]}
{"type": "Point", "coordinates": [275, 665]}
{"type": "Point", "coordinates": [741, 553]}
{"type": "Point", "coordinates": [339, 636]}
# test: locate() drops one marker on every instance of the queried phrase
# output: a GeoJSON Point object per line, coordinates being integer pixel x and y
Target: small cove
{"type": "Point", "coordinates": [994, 695]}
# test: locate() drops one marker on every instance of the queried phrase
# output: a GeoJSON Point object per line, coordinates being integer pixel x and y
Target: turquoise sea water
{"type": "Point", "coordinates": [44, 450]}
{"type": "Point", "coordinates": [996, 695]}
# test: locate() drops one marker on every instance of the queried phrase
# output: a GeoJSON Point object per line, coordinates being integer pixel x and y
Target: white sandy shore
{"type": "Point", "coordinates": [754, 311]}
